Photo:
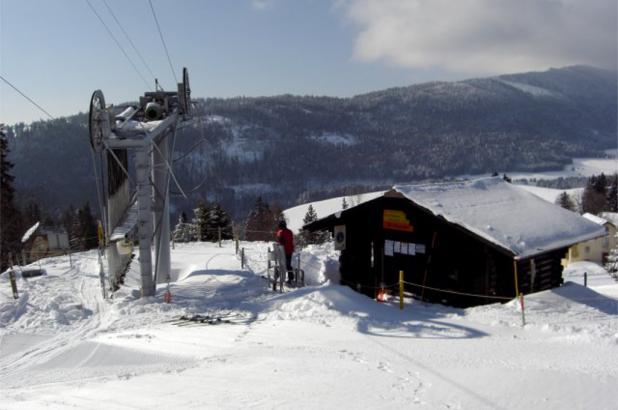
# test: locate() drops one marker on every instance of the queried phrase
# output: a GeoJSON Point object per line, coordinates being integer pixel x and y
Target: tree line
{"type": "Point", "coordinates": [600, 195]}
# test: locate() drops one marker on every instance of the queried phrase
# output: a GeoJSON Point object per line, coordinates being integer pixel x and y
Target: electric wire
{"type": "Point", "coordinates": [169, 60]}
{"type": "Point", "coordinates": [27, 98]}
{"type": "Point", "coordinates": [118, 44]}
{"type": "Point", "coordinates": [129, 39]}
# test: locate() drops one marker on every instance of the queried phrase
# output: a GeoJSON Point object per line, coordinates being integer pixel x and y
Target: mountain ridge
{"type": "Point", "coordinates": [299, 144]}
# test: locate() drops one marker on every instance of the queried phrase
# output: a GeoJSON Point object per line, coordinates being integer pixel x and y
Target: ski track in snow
{"type": "Point", "coordinates": [321, 346]}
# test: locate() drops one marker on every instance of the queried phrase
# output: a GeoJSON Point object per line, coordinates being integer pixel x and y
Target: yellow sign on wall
{"type": "Point", "coordinates": [396, 221]}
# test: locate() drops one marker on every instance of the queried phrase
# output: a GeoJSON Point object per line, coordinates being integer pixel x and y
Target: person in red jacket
{"type": "Point", "coordinates": [285, 237]}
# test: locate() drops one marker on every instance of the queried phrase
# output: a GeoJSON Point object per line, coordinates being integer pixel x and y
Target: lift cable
{"type": "Point", "coordinates": [118, 44]}
{"type": "Point", "coordinates": [169, 60]}
{"type": "Point", "coordinates": [27, 98]}
{"type": "Point", "coordinates": [129, 39]}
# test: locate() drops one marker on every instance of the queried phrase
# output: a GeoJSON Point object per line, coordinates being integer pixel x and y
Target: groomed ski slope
{"type": "Point", "coordinates": [321, 346]}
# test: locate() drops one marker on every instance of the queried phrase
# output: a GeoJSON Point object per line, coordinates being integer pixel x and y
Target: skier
{"type": "Point", "coordinates": [286, 239]}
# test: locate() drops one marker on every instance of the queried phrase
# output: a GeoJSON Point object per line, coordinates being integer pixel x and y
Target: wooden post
{"type": "Point", "coordinates": [12, 277]}
{"type": "Point", "coordinates": [586, 279]}
{"type": "Point", "coordinates": [236, 242]}
{"type": "Point", "coordinates": [23, 257]}
{"type": "Point", "coordinates": [219, 235]}
{"type": "Point", "coordinates": [242, 258]}
{"type": "Point", "coordinates": [523, 316]}
{"type": "Point", "coordinates": [515, 276]}
{"type": "Point", "coordinates": [401, 290]}
{"type": "Point", "coordinates": [70, 258]}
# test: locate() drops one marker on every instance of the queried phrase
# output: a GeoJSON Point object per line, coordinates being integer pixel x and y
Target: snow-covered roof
{"type": "Point", "coordinates": [325, 207]}
{"type": "Point", "coordinates": [504, 214]}
{"type": "Point", "coordinates": [596, 219]}
{"type": "Point", "coordinates": [612, 217]}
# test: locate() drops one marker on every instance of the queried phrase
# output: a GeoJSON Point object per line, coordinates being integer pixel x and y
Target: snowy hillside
{"type": "Point", "coordinates": [321, 346]}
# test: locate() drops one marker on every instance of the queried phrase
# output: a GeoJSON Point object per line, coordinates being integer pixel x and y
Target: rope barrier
{"type": "Point", "coordinates": [459, 293]}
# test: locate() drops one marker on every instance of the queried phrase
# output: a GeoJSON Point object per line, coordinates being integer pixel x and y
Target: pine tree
{"type": "Point", "coordinates": [217, 219]}
{"type": "Point", "coordinates": [308, 237]}
{"type": "Point", "coordinates": [84, 230]}
{"type": "Point", "coordinates": [184, 231]}
{"type": "Point", "coordinates": [565, 201]}
{"type": "Point", "coordinates": [612, 195]}
{"type": "Point", "coordinates": [594, 198]}
{"type": "Point", "coordinates": [200, 220]}
{"type": "Point", "coordinates": [32, 214]}
{"type": "Point", "coordinates": [66, 220]}
{"type": "Point", "coordinates": [260, 224]}
{"type": "Point", "coordinates": [10, 218]}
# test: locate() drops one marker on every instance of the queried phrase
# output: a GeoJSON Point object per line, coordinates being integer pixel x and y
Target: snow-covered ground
{"type": "Point", "coordinates": [321, 346]}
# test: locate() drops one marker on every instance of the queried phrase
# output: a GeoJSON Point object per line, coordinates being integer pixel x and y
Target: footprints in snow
{"type": "Point", "coordinates": [409, 384]}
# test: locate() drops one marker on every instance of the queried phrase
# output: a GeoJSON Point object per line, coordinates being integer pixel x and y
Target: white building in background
{"type": "Point", "coordinates": [595, 250]}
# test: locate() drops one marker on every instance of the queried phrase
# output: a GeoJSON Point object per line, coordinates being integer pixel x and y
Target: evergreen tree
{"type": "Point", "coordinates": [312, 237]}
{"type": "Point", "coordinates": [200, 220]}
{"type": "Point", "coordinates": [565, 201]}
{"type": "Point", "coordinates": [32, 214]}
{"type": "Point", "coordinates": [66, 220]}
{"type": "Point", "coordinates": [217, 219]}
{"type": "Point", "coordinates": [310, 216]}
{"type": "Point", "coordinates": [84, 230]}
{"type": "Point", "coordinates": [594, 198]}
{"type": "Point", "coordinates": [612, 195]}
{"type": "Point", "coordinates": [10, 218]}
{"type": "Point", "coordinates": [184, 231]}
{"type": "Point", "coordinates": [260, 224]}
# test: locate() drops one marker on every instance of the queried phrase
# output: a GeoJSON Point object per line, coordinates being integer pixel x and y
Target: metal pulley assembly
{"type": "Point", "coordinates": [99, 122]}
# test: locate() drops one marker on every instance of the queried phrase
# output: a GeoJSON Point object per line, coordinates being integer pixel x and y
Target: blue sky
{"type": "Point", "coordinates": [57, 52]}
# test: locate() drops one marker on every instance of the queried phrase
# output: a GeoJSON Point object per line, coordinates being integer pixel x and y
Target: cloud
{"type": "Point", "coordinates": [262, 4]}
{"type": "Point", "coordinates": [484, 36]}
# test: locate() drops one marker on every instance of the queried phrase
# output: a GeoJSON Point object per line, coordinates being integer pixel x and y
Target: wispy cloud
{"type": "Point", "coordinates": [484, 36]}
{"type": "Point", "coordinates": [262, 4]}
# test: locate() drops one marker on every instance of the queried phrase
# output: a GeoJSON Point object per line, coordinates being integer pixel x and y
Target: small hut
{"type": "Point", "coordinates": [44, 242]}
{"type": "Point", "coordinates": [460, 243]}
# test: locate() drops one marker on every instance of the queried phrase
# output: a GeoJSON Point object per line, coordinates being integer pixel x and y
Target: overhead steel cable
{"type": "Point", "coordinates": [27, 98]}
{"type": "Point", "coordinates": [169, 60]}
{"type": "Point", "coordinates": [129, 40]}
{"type": "Point", "coordinates": [118, 44]}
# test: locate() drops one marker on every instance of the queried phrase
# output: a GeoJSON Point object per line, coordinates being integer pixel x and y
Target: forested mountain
{"type": "Point", "coordinates": [285, 147]}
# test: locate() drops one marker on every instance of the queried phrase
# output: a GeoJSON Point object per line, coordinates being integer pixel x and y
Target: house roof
{"type": "Point", "coordinates": [596, 219]}
{"type": "Point", "coordinates": [612, 217]}
{"type": "Point", "coordinates": [503, 214]}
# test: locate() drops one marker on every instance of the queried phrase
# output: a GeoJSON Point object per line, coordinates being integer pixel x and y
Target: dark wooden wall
{"type": "Point", "coordinates": [455, 259]}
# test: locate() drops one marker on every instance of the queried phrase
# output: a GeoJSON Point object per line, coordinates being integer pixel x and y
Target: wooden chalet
{"type": "Point", "coordinates": [461, 243]}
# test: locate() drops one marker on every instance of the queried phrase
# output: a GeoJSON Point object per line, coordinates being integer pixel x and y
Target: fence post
{"type": "Point", "coordinates": [12, 277]}
{"type": "Point", "coordinates": [242, 258]}
{"type": "Point", "coordinates": [515, 277]}
{"type": "Point", "coordinates": [586, 279]}
{"type": "Point", "coordinates": [236, 242]}
{"type": "Point", "coordinates": [400, 290]}
{"type": "Point", "coordinates": [523, 315]}
{"type": "Point", "coordinates": [70, 258]}
{"type": "Point", "coordinates": [219, 235]}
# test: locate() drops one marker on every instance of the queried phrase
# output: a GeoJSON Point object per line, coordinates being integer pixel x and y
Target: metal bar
{"type": "Point", "coordinates": [144, 220]}
{"type": "Point", "coordinates": [160, 179]}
